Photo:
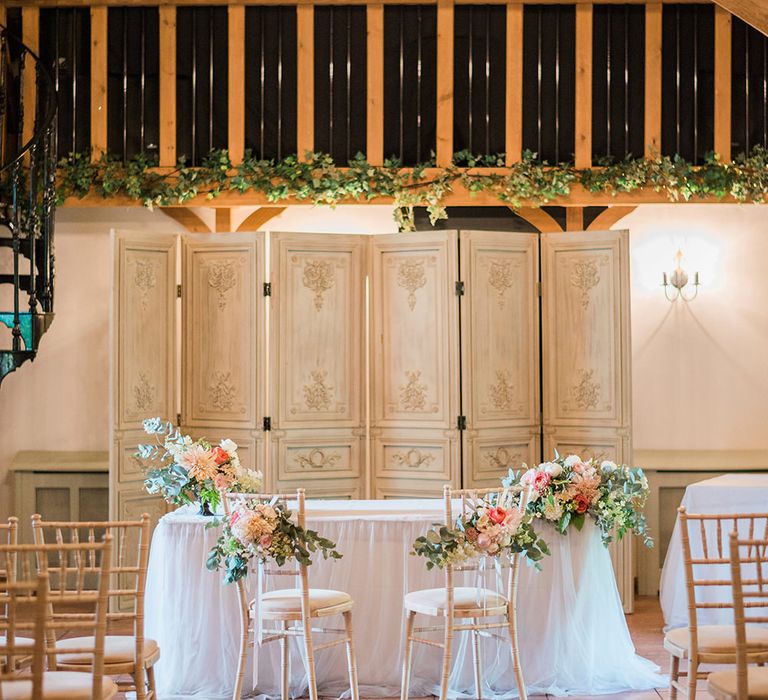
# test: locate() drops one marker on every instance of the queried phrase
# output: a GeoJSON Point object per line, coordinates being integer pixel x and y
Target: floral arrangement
{"type": "Point", "coordinates": [568, 489]}
{"type": "Point", "coordinates": [185, 470]}
{"type": "Point", "coordinates": [264, 531]}
{"type": "Point", "coordinates": [493, 528]}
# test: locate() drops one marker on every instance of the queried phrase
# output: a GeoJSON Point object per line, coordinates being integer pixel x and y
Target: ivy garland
{"type": "Point", "coordinates": [318, 180]}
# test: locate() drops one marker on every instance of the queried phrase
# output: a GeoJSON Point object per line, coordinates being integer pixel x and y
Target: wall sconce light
{"type": "Point", "coordinates": [678, 280]}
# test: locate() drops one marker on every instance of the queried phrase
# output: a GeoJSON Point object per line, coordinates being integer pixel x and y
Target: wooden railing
{"type": "Point", "coordinates": [445, 146]}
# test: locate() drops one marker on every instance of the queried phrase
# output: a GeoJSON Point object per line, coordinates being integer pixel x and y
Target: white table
{"type": "Point", "coordinates": [574, 636]}
{"type": "Point", "coordinates": [731, 493]}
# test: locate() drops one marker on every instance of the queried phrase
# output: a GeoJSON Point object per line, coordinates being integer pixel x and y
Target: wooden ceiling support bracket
{"type": "Point", "coordinates": [611, 216]}
{"type": "Point", "coordinates": [260, 217]}
{"type": "Point", "coordinates": [187, 218]}
{"type": "Point", "coordinates": [539, 219]}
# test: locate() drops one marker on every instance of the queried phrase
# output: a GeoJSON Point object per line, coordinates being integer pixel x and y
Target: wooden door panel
{"type": "Point", "coordinates": [222, 317]}
{"type": "Point", "coordinates": [144, 327]}
{"type": "Point", "coordinates": [585, 291]}
{"type": "Point", "coordinates": [415, 373]}
{"type": "Point", "coordinates": [492, 455]}
{"type": "Point", "coordinates": [317, 344]}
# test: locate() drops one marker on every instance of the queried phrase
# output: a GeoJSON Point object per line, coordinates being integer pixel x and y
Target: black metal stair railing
{"type": "Point", "coordinates": [27, 200]}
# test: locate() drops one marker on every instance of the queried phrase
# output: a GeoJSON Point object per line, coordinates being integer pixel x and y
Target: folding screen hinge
{"type": "Point", "coordinates": [459, 289]}
{"type": "Point", "coordinates": [178, 420]}
{"type": "Point", "coordinates": [267, 423]}
{"type": "Point", "coordinates": [461, 422]}
{"type": "Point", "coordinates": [178, 291]}
{"type": "Point", "coordinates": [267, 289]}
{"type": "Point", "coordinates": [538, 289]}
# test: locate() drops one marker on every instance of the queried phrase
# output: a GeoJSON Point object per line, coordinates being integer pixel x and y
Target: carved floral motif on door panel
{"type": "Point", "coordinates": [587, 330]}
{"type": "Point", "coordinates": [319, 344]}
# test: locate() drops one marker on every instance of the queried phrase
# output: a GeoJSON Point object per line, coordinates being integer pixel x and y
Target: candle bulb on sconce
{"type": "Point", "coordinates": [678, 280]}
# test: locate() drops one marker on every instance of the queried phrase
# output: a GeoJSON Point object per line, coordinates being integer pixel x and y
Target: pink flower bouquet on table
{"type": "Point", "coordinates": [184, 470]}
{"type": "Point", "coordinates": [568, 489]}
{"type": "Point", "coordinates": [490, 529]}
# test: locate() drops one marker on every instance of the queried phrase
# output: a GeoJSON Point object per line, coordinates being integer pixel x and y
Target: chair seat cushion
{"type": "Point", "coordinates": [58, 685]}
{"type": "Point", "coordinates": [118, 649]}
{"type": "Point", "coordinates": [757, 682]}
{"type": "Point", "coordinates": [432, 601]}
{"type": "Point", "coordinates": [719, 639]}
{"type": "Point", "coordinates": [288, 600]}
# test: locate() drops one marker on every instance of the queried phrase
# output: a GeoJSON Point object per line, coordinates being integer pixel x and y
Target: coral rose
{"type": "Point", "coordinates": [497, 515]}
{"type": "Point", "coordinates": [220, 455]}
{"type": "Point", "coordinates": [582, 503]}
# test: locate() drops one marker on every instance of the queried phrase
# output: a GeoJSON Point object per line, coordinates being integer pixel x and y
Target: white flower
{"type": "Point", "coordinates": [552, 468]}
{"type": "Point", "coordinates": [248, 480]}
{"type": "Point", "coordinates": [553, 510]}
{"type": "Point", "coordinates": [572, 460]}
{"type": "Point", "coordinates": [608, 466]}
{"type": "Point", "coordinates": [228, 446]}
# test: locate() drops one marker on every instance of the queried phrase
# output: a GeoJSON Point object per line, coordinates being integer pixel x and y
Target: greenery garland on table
{"type": "Point", "coordinates": [318, 180]}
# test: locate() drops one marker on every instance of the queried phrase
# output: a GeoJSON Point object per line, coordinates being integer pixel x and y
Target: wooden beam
{"type": "Point", "coordinates": [155, 3]}
{"type": "Point", "coordinates": [260, 217]}
{"type": "Point", "coordinates": [611, 216]}
{"type": "Point", "coordinates": [30, 35]}
{"type": "Point", "coordinates": [187, 218]}
{"type": "Point", "coordinates": [98, 81]}
{"type": "Point", "coordinates": [223, 220]}
{"type": "Point", "coordinates": [753, 12]}
{"type": "Point", "coordinates": [538, 218]}
{"type": "Point", "coordinates": [305, 79]}
{"type": "Point", "coordinates": [574, 218]}
{"type": "Point", "coordinates": [375, 87]}
{"type": "Point", "coordinates": [514, 114]}
{"type": "Point", "coordinates": [236, 83]}
{"type": "Point", "coordinates": [167, 17]}
{"type": "Point", "coordinates": [444, 147]}
{"type": "Point", "coordinates": [653, 14]}
{"type": "Point", "coordinates": [723, 25]}
{"type": "Point", "coordinates": [583, 113]}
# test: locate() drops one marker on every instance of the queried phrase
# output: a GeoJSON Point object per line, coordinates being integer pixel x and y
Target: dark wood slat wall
{"type": "Point", "coordinates": [604, 80]}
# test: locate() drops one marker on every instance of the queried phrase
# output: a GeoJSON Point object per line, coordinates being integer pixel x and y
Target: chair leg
{"type": "Point", "coordinates": [478, 664]}
{"type": "Point", "coordinates": [245, 625]}
{"type": "Point", "coordinates": [404, 688]}
{"type": "Point", "coordinates": [310, 658]}
{"type": "Point", "coordinates": [139, 681]}
{"type": "Point", "coordinates": [285, 664]}
{"type": "Point", "coordinates": [674, 675]}
{"type": "Point", "coordinates": [351, 660]}
{"type": "Point", "coordinates": [693, 678]}
{"type": "Point", "coordinates": [516, 665]}
{"type": "Point", "coordinates": [447, 648]}
{"type": "Point", "coordinates": [151, 682]}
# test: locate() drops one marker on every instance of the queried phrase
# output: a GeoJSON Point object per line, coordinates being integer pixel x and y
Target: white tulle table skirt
{"type": "Point", "coordinates": [573, 634]}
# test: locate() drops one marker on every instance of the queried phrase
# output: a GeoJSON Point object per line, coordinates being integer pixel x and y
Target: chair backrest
{"type": "Point", "coordinates": [65, 567]}
{"type": "Point", "coordinates": [707, 558]}
{"type": "Point", "coordinates": [749, 576]}
{"type": "Point", "coordinates": [510, 497]}
{"type": "Point", "coordinates": [20, 600]}
{"type": "Point", "coordinates": [130, 558]}
{"type": "Point", "coordinates": [8, 536]}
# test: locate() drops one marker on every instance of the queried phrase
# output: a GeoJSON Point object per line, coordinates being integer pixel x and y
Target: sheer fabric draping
{"type": "Point", "coordinates": [731, 493]}
{"type": "Point", "coordinates": [574, 637]}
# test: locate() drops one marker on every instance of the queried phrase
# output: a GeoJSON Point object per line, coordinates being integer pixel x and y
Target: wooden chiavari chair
{"type": "Point", "coordinates": [710, 644]}
{"type": "Point", "coordinates": [466, 603]}
{"type": "Point", "coordinates": [9, 536]}
{"type": "Point", "coordinates": [293, 608]}
{"type": "Point", "coordinates": [68, 569]}
{"type": "Point", "coordinates": [750, 594]}
{"type": "Point", "coordinates": [124, 653]}
{"type": "Point", "coordinates": [18, 598]}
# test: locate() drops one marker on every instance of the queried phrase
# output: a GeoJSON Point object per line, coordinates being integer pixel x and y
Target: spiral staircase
{"type": "Point", "coordinates": [27, 201]}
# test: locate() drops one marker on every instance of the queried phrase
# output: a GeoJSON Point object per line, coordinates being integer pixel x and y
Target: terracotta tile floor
{"type": "Point", "coordinates": [645, 625]}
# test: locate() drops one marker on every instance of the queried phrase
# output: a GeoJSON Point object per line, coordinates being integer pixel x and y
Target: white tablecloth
{"type": "Point", "coordinates": [731, 493]}
{"type": "Point", "coordinates": [574, 637]}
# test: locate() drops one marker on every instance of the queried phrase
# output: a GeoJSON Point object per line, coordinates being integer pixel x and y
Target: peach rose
{"type": "Point", "coordinates": [582, 503]}
{"type": "Point", "coordinates": [220, 456]}
{"type": "Point", "coordinates": [541, 481]}
{"type": "Point", "coordinates": [497, 515]}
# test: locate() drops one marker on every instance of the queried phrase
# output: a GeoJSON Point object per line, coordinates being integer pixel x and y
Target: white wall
{"type": "Point", "coordinates": [700, 369]}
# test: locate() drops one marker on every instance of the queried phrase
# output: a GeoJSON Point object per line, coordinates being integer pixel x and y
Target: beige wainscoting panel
{"type": "Point", "coordinates": [415, 369]}
{"type": "Point", "coordinates": [500, 353]}
{"type": "Point", "coordinates": [222, 317]}
{"type": "Point", "coordinates": [586, 357]}
{"type": "Point", "coordinates": [317, 320]}
{"type": "Point", "coordinates": [143, 348]}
